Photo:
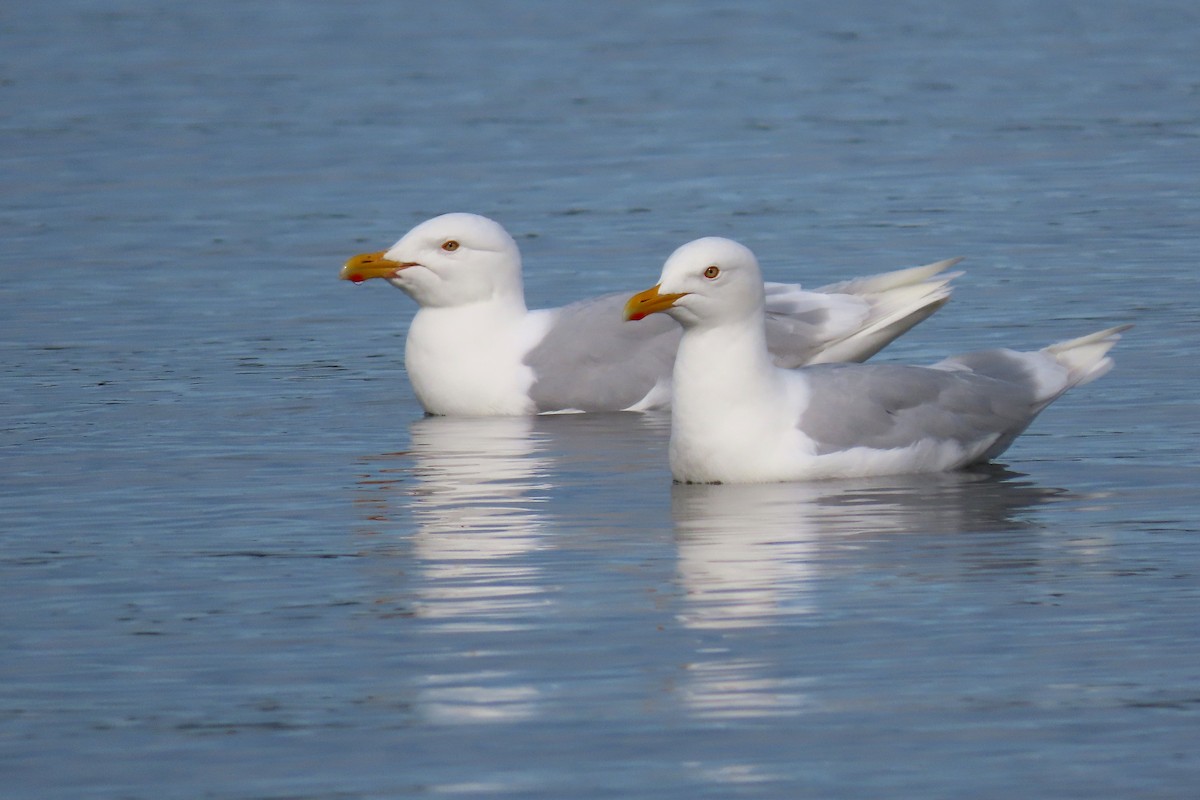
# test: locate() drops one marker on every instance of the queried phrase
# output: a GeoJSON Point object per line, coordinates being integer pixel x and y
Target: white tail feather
{"type": "Point", "coordinates": [1086, 358]}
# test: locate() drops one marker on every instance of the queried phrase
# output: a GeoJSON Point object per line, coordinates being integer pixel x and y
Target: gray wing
{"type": "Point", "coordinates": [593, 360]}
{"type": "Point", "coordinates": [799, 326]}
{"type": "Point", "coordinates": [886, 406]}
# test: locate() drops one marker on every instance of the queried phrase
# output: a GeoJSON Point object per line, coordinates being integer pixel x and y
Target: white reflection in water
{"type": "Point", "coordinates": [475, 505]}
{"type": "Point", "coordinates": [751, 555]}
{"type": "Point", "coordinates": [735, 687]}
{"type": "Point", "coordinates": [477, 697]}
{"type": "Point", "coordinates": [473, 488]}
{"type": "Point", "coordinates": [744, 554]}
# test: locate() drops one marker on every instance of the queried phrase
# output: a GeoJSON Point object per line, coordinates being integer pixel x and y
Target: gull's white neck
{"type": "Point", "coordinates": [726, 390]}
{"type": "Point", "coordinates": [467, 359]}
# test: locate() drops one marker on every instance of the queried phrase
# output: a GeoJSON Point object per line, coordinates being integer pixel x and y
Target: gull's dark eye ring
{"type": "Point", "coordinates": [449, 245]}
{"type": "Point", "coordinates": [712, 272]}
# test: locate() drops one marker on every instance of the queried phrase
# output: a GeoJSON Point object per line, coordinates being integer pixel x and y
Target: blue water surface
{"type": "Point", "coordinates": [237, 562]}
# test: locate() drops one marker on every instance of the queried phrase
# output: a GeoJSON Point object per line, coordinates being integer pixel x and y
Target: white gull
{"type": "Point", "coordinates": [739, 418]}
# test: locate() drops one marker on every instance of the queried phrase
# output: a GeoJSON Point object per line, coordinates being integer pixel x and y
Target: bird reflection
{"type": "Point", "coordinates": [746, 551]}
{"type": "Point", "coordinates": [750, 555]}
{"type": "Point", "coordinates": [478, 485]}
{"type": "Point", "coordinates": [480, 475]}
{"type": "Point", "coordinates": [477, 513]}
{"type": "Point", "coordinates": [744, 554]}
{"type": "Point", "coordinates": [472, 488]}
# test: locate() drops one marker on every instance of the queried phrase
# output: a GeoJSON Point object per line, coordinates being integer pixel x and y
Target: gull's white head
{"type": "Point", "coordinates": [706, 282]}
{"type": "Point", "coordinates": [451, 260]}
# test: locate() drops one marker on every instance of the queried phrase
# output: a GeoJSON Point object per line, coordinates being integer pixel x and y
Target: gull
{"type": "Point", "coordinates": [475, 349]}
{"type": "Point", "coordinates": [737, 417]}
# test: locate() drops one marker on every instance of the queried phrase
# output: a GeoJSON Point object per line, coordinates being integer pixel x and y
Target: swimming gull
{"type": "Point", "coordinates": [473, 347]}
{"type": "Point", "coordinates": [738, 418]}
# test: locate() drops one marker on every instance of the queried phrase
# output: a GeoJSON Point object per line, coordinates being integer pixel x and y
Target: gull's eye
{"type": "Point", "coordinates": [712, 272]}
{"type": "Point", "coordinates": [449, 245]}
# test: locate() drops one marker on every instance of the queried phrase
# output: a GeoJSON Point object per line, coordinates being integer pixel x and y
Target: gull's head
{"type": "Point", "coordinates": [451, 260]}
{"type": "Point", "coordinates": [705, 282]}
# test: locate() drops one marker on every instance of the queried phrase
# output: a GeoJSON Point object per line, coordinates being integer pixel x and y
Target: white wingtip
{"type": "Point", "coordinates": [899, 301]}
{"type": "Point", "coordinates": [1086, 357]}
{"type": "Point", "coordinates": [887, 281]}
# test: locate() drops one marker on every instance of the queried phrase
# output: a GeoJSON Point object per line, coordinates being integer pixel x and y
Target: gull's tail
{"type": "Point", "coordinates": [1086, 358]}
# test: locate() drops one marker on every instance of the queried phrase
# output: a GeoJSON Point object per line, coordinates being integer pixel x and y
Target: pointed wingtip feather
{"type": "Point", "coordinates": [1086, 357]}
{"type": "Point", "coordinates": [1110, 335]}
{"type": "Point", "coordinates": [887, 281]}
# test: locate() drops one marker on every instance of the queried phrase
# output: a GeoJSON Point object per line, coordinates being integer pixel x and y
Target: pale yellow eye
{"type": "Point", "coordinates": [712, 272]}
{"type": "Point", "coordinates": [449, 245]}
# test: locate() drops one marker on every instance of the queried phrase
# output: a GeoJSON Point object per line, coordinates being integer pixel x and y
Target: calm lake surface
{"type": "Point", "coordinates": [236, 562]}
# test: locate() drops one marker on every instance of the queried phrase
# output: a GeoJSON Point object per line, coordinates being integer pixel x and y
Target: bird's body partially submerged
{"type": "Point", "coordinates": [739, 418]}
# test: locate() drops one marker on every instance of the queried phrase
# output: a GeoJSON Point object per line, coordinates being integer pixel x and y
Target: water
{"type": "Point", "coordinates": [237, 563]}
